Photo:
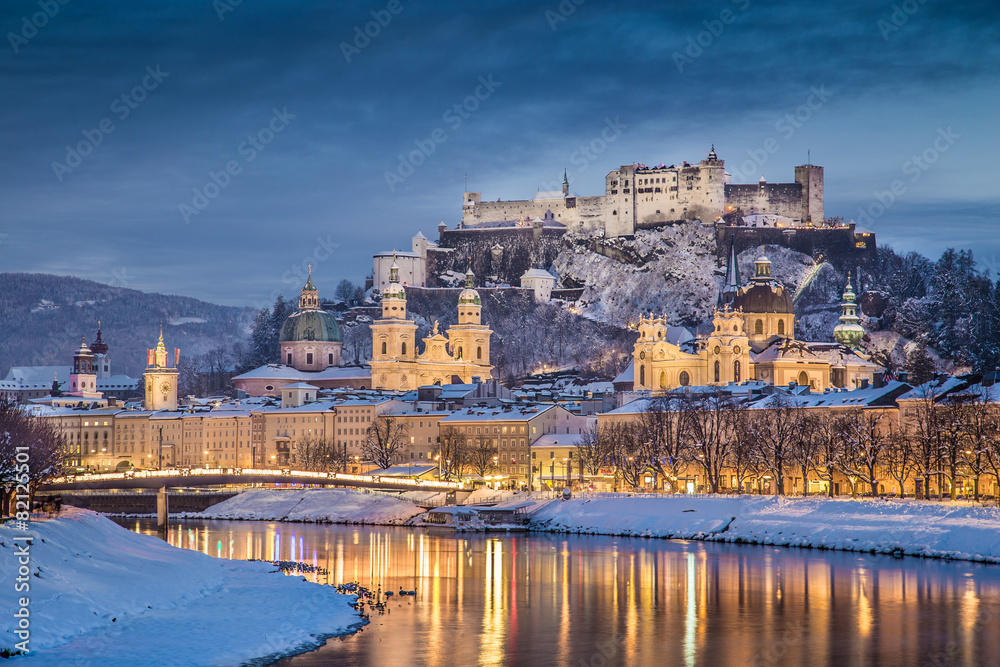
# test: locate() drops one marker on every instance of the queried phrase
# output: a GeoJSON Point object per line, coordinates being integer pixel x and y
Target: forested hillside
{"type": "Point", "coordinates": [42, 318]}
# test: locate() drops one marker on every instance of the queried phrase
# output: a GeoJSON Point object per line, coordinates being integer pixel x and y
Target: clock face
{"type": "Point", "coordinates": [165, 387]}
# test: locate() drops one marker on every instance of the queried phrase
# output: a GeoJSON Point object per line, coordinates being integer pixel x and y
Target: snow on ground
{"type": "Point", "coordinates": [104, 596]}
{"type": "Point", "coordinates": [913, 528]}
{"type": "Point", "coordinates": [319, 505]}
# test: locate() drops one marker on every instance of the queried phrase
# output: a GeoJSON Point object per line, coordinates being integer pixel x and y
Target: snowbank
{"type": "Point", "coordinates": [103, 595]}
{"type": "Point", "coordinates": [319, 505]}
{"type": "Point", "coordinates": [919, 529]}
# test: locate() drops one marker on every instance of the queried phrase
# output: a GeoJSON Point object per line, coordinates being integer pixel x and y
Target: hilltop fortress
{"type": "Point", "coordinates": [638, 197]}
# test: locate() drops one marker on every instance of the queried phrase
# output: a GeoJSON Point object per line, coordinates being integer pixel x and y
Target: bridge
{"type": "Point", "coordinates": [194, 477]}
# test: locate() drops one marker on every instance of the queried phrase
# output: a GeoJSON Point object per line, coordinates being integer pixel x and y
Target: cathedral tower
{"type": "Point", "coordinates": [393, 339]}
{"type": "Point", "coordinates": [161, 379]}
{"type": "Point", "coordinates": [83, 379]}
{"type": "Point", "coordinates": [310, 338]}
{"type": "Point", "coordinates": [469, 340]}
{"type": "Point", "coordinates": [849, 332]}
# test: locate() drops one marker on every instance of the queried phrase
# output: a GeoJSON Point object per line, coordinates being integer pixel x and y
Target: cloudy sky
{"type": "Point", "coordinates": [212, 149]}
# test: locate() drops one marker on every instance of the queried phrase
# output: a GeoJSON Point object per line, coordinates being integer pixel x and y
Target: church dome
{"type": "Point", "coordinates": [312, 325]}
{"type": "Point", "coordinates": [763, 294]}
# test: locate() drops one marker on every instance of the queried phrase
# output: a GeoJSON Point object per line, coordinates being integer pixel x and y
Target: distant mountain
{"type": "Point", "coordinates": [42, 318]}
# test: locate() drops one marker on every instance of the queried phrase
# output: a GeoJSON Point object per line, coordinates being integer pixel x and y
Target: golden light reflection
{"type": "Point", "coordinates": [569, 600]}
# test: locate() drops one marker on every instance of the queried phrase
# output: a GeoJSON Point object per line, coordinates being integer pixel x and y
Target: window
{"type": "Point", "coordinates": [758, 327]}
{"type": "Point", "coordinates": [383, 347]}
{"type": "Point", "coordinates": [663, 379]}
{"type": "Point", "coordinates": [404, 347]}
{"type": "Point", "coordinates": [781, 327]}
{"type": "Point", "coordinates": [309, 358]}
{"type": "Point", "coordinates": [479, 353]}
{"type": "Point", "coordinates": [684, 379]}
{"type": "Point", "coordinates": [289, 362]}
{"type": "Point", "coordinates": [718, 370]}
{"type": "Point", "coordinates": [459, 355]}
{"type": "Point", "coordinates": [330, 359]}
{"type": "Point", "coordinates": [642, 376]}
{"type": "Point", "coordinates": [736, 371]}
{"type": "Point", "coordinates": [803, 379]}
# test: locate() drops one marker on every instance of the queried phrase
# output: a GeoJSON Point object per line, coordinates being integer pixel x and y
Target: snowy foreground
{"type": "Point", "coordinates": [102, 595]}
{"type": "Point", "coordinates": [919, 529]}
{"type": "Point", "coordinates": [319, 505]}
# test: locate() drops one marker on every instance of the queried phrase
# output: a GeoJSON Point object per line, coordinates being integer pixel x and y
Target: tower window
{"type": "Point", "coordinates": [642, 376]}
{"type": "Point", "coordinates": [718, 370]}
{"type": "Point", "coordinates": [383, 347]}
{"type": "Point", "coordinates": [330, 359]}
{"type": "Point", "coordinates": [736, 371]}
{"type": "Point", "coordinates": [479, 353]}
{"type": "Point", "coordinates": [309, 358]}
{"type": "Point", "coordinates": [404, 348]}
{"type": "Point", "coordinates": [459, 355]}
{"type": "Point", "coordinates": [758, 327]}
{"type": "Point", "coordinates": [781, 327]}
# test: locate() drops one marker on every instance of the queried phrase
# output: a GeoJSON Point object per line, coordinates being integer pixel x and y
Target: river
{"type": "Point", "coordinates": [548, 599]}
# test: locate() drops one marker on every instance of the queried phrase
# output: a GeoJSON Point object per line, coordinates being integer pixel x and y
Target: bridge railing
{"type": "Point", "coordinates": [329, 477]}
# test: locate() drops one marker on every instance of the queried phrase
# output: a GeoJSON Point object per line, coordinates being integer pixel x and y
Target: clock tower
{"type": "Point", "coordinates": [161, 379]}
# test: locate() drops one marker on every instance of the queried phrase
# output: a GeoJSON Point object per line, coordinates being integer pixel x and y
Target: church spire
{"type": "Point", "coordinates": [849, 332]}
{"type": "Point", "coordinates": [565, 182]}
{"type": "Point", "coordinates": [309, 296]}
{"type": "Point", "coordinates": [733, 281]}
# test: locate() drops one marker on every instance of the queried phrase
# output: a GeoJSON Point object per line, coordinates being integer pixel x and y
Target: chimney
{"type": "Point", "coordinates": [903, 376]}
{"type": "Point", "coordinates": [864, 383]}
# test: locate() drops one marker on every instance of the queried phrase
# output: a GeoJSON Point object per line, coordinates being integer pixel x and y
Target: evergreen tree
{"type": "Point", "coordinates": [260, 339]}
{"type": "Point", "coordinates": [919, 365]}
{"type": "Point", "coordinates": [279, 313]}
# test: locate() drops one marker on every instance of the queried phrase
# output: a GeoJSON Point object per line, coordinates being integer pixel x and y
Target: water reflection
{"type": "Point", "coordinates": [572, 600]}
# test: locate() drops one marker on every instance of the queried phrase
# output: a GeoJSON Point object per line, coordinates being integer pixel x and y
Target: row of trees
{"type": "Point", "coordinates": [719, 438]}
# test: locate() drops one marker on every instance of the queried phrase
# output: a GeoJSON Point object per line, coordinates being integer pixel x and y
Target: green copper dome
{"type": "Point", "coordinates": [317, 325]}
{"type": "Point", "coordinates": [469, 296]}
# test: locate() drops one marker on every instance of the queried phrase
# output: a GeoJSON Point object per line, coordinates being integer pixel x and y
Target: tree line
{"type": "Point", "coordinates": [724, 440]}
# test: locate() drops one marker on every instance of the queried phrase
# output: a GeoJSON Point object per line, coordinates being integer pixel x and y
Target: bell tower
{"type": "Point", "coordinates": [83, 379]}
{"type": "Point", "coordinates": [161, 379]}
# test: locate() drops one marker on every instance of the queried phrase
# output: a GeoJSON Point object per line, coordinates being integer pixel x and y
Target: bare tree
{"type": "Point", "coordinates": [927, 434]}
{"type": "Point", "coordinates": [660, 444]}
{"type": "Point", "coordinates": [595, 448]}
{"type": "Point", "coordinates": [981, 431]}
{"type": "Point", "coordinates": [900, 459]}
{"type": "Point", "coordinates": [807, 448]}
{"type": "Point", "coordinates": [385, 439]}
{"type": "Point", "coordinates": [319, 454]}
{"type": "Point", "coordinates": [828, 432]}
{"type": "Point", "coordinates": [865, 443]}
{"type": "Point", "coordinates": [482, 457]}
{"type": "Point", "coordinates": [345, 291]}
{"type": "Point", "coordinates": [774, 427]}
{"type": "Point", "coordinates": [744, 458]}
{"type": "Point", "coordinates": [31, 452]}
{"type": "Point", "coordinates": [709, 424]}
{"type": "Point", "coordinates": [453, 450]}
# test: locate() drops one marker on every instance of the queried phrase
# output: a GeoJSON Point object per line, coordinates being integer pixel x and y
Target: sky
{"type": "Point", "coordinates": [216, 148]}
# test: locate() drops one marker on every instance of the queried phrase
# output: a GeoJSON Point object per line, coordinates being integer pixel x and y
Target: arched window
{"type": "Point", "coordinates": [642, 376]}
{"type": "Point", "coordinates": [781, 327]}
{"type": "Point", "coordinates": [479, 353]}
{"type": "Point", "coordinates": [663, 380]}
{"type": "Point", "coordinates": [718, 371]}
{"type": "Point", "coordinates": [803, 379]}
{"type": "Point", "coordinates": [383, 347]}
{"type": "Point", "coordinates": [404, 348]}
{"type": "Point", "coordinates": [289, 359]}
{"type": "Point", "coordinates": [684, 379]}
{"type": "Point", "coordinates": [758, 327]}
{"type": "Point", "coordinates": [736, 371]}
{"type": "Point", "coordinates": [459, 355]}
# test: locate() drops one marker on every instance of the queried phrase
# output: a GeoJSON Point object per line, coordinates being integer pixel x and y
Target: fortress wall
{"type": "Point", "coordinates": [837, 244]}
{"type": "Point", "coordinates": [521, 248]}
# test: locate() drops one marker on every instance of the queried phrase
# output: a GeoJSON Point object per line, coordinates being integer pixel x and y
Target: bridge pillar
{"type": "Point", "coordinates": [162, 509]}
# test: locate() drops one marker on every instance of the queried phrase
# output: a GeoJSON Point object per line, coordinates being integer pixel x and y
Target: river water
{"type": "Point", "coordinates": [546, 599]}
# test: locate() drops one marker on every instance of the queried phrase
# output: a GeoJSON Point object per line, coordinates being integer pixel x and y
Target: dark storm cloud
{"type": "Point", "coordinates": [678, 75]}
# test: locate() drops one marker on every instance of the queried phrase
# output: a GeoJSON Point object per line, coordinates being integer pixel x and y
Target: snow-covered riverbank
{"type": "Point", "coordinates": [912, 528]}
{"type": "Point", "coordinates": [103, 595]}
{"type": "Point", "coordinates": [319, 505]}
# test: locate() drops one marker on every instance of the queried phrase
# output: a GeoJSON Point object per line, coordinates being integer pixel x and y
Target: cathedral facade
{"type": "Point", "coordinates": [463, 351]}
{"type": "Point", "coordinates": [752, 338]}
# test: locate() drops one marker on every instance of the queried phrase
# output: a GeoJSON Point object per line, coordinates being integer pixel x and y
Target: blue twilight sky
{"type": "Point", "coordinates": [155, 98]}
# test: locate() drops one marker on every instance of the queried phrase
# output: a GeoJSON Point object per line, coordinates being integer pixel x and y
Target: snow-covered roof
{"type": "Point", "coordinates": [40, 377]}
{"type": "Point", "coordinates": [538, 273]}
{"type": "Point", "coordinates": [499, 413]}
{"type": "Point", "coordinates": [279, 372]}
{"type": "Point", "coordinates": [627, 375]}
{"type": "Point", "coordinates": [300, 385]}
{"type": "Point", "coordinates": [397, 253]}
{"type": "Point", "coordinates": [836, 398]}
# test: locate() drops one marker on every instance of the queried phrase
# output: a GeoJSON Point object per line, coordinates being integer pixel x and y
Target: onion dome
{"type": "Point", "coordinates": [99, 346]}
{"type": "Point", "coordinates": [394, 290]}
{"type": "Point", "coordinates": [763, 294]}
{"type": "Point", "coordinates": [849, 332]}
{"type": "Point", "coordinates": [469, 295]}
